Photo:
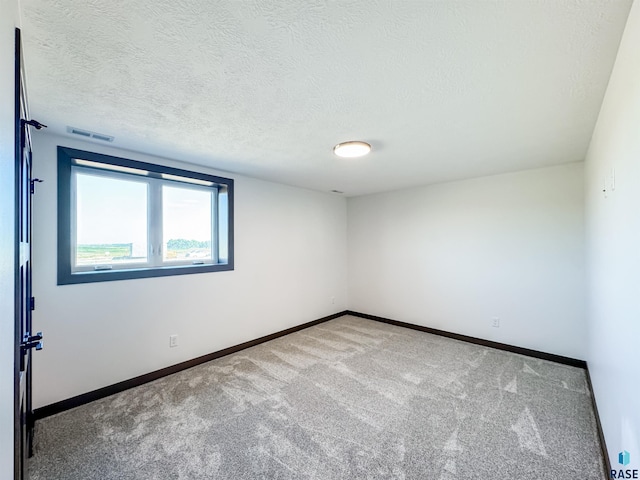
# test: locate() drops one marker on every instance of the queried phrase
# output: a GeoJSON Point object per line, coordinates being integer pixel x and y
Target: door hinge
{"type": "Point", "coordinates": [31, 341]}
{"type": "Point", "coordinates": [33, 184]}
{"type": "Point", "coordinates": [32, 303]}
{"type": "Point", "coordinates": [34, 123]}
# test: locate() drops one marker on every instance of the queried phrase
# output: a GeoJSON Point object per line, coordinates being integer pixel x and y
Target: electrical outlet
{"type": "Point", "coordinates": [496, 322]}
{"type": "Point", "coordinates": [173, 341]}
{"type": "Point", "coordinates": [333, 300]}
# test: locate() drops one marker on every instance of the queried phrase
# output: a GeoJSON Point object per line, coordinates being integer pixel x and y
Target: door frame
{"type": "Point", "coordinates": [18, 466]}
{"type": "Point", "coordinates": [23, 414]}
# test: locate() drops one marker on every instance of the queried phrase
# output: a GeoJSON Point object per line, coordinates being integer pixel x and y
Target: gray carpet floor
{"type": "Point", "coordinates": [346, 399]}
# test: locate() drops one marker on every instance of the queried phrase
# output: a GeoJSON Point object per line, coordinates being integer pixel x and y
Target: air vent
{"type": "Point", "coordinates": [88, 134]}
{"type": "Point", "coordinates": [79, 132]}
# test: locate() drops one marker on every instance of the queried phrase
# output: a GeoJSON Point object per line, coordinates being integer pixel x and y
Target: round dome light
{"type": "Point", "coordinates": [352, 149]}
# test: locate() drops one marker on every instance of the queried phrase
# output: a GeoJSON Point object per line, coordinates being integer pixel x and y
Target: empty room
{"type": "Point", "coordinates": [319, 240]}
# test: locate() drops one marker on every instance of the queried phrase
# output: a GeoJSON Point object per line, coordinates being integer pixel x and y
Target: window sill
{"type": "Point", "coordinates": [68, 278]}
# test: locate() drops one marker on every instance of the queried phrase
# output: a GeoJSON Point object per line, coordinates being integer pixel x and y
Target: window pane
{"type": "Point", "coordinates": [111, 220]}
{"type": "Point", "coordinates": [186, 224]}
{"type": "Point", "coordinates": [223, 222]}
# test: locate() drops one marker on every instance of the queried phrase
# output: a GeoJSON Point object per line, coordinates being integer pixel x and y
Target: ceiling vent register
{"type": "Point", "coordinates": [88, 134]}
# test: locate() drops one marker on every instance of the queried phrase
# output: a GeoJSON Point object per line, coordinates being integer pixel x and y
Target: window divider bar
{"type": "Point", "coordinates": [155, 221]}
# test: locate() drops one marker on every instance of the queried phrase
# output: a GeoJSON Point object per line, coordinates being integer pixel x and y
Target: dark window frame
{"type": "Point", "coordinates": [66, 276]}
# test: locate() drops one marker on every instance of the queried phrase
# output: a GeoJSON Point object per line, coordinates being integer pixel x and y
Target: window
{"type": "Point", "coordinates": [120, 219]}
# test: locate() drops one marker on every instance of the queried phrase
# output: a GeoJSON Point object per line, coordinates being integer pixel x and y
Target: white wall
{"type": "Point", "coordinates": [8, 22]}
{"type": "Point", "coordinates": [290, 260]}
{"type": "Point", "coordinates": [613, 246]}
{"type": "Point", "coordinates": [452, 256]}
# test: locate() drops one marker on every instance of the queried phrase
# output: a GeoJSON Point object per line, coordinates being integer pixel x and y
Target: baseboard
{"type": "Point", "coordinates": [511, 348]}
{"type": "Point", "coordinates": [479, 341]}
{"type": "Point", "coordinates": [603, 444]}
{"type": "Point", "coordinates": [84, 398]}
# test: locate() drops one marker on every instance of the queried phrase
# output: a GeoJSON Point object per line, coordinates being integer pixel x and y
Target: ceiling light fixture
{"type": "Point", "coordinates": [352, 149]}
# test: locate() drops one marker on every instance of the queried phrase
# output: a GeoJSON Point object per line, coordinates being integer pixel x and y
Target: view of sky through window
{"type": "Point", "coordinates": [111, 220]}
{"type": "Point", "coordinates": [186, 223]}
{"type": "Point", "coordinates": [112, 223]}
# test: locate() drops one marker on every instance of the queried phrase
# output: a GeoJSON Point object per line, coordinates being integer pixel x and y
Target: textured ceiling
{"type": "Point", "coordinates": [443, 90]}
